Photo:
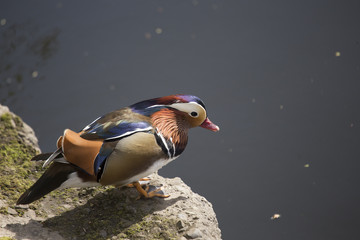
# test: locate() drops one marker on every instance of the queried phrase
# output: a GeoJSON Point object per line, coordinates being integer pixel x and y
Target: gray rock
{"type": "Point", "coordinates": [193, 233]}
{"type": "Point", "coordinates": [103, 233]}
{"type": "Point", "coordinates": [11, 211]}
{"type": "Point", "coordinates": [182, 216]}
{"type": "Point", "coordinates": [180, 225]}
{"type": "Point", "coordinates": [25, 132]}
{"type": "Point", "coordinates": [3, 110]}
{"type": "Point", "coordinates": [28, 136]}
{"type": "Point", "coordinates": [25, 206]}
{"type": "Point", "coordinates": [2, 202]}
{"type": "Point", "coordinates": [30, 213]}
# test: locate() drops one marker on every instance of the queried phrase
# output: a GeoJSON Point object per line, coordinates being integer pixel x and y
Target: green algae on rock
{"type": "Point", "coordinates": [17, 172]}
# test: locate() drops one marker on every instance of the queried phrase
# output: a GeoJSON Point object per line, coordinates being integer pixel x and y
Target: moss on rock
{"type": "Point", "coordinates": [17, 172]}
{"type": "Point", "coordinates": [6, 238]}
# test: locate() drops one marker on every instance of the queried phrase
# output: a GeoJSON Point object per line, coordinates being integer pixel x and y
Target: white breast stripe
{"type": "Point", "coordinates": [164, 141]}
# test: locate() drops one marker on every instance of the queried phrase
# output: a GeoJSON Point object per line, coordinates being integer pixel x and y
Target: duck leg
{"type": "Point", "coordinates": [142, 181]}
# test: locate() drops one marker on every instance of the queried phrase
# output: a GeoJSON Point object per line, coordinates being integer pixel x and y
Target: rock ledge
{"type": "Point", "coordinates": [92, 213]}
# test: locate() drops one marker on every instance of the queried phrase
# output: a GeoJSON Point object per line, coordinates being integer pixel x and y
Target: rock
{"type": "Point", "coordinates": [182, 216]}
{"type": "Point", "coordinates": [25, 206]}
{"type": "Point", "coordinates": [103, 233]}
{"type": "Point", "coordinates": [2, 204]}
{"type": "Point", "coordinates": [3, 110]}
{"type": "Point", "coordinates": [193, 233]}
{"type": "Point", "coordinates": [25, 132]}
{"type": "Point", "coordinates": [180, 225]}
{"type": "Point", "coordinates": [30, 213]}
{"type": "Point", "coordinates": [67, 206]}
{"type": "Point", "coordinates": [98, 213]}
{"type": "Point", "coordinates": [28, 136]}
{"type": "Point", "coordinates": [11, 211]}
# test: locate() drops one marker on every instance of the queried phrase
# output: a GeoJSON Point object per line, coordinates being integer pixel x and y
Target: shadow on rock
{"type": "Point", "coordinates": [107, 214]}
{"type": "Point", "coordinates": [32, 230]}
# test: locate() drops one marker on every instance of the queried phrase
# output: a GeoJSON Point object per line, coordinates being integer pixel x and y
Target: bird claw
{"type": "Point", "coordinates": [153, 191]}
{"type": "Point", "coordinates": [150, 191]}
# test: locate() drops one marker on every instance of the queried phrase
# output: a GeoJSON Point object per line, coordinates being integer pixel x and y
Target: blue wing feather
{"type": "Point", "coordinates": [106, 149]}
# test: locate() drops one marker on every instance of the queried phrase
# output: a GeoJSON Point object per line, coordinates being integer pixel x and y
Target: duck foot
{"type": "Point", "coordinates": [149, 191]}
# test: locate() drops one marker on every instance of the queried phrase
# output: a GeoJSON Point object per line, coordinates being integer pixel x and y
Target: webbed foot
{"type": "Point", "coordinates": [149, 191]}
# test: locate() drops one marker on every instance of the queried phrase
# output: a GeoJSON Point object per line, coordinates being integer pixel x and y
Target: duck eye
{"type": "Point", "coordinates": [194, 114]}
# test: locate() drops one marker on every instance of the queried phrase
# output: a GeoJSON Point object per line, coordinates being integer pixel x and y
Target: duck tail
{"type": "Point", "coordinates": [59, 175]}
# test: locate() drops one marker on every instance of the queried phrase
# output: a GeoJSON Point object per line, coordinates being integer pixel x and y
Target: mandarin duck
{"type": "Point", "coordinates": [121, 147]}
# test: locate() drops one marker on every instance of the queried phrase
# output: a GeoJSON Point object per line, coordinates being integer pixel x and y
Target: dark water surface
{"type": "Point", "coordinates": [280, 78]}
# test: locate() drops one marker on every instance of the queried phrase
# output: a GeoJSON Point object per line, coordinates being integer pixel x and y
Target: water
{"type": "Point", "coordinates": [281, 79]}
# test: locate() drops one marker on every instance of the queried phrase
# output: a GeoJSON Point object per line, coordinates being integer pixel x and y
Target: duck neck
{"type": "Point", "coordinates": [172, 126]}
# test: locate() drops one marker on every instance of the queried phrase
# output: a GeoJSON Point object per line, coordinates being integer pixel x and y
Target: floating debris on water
{"type": "Point", "coordinates": [275, 216]}
{"type": "Point", "coordinates": [147, 35]}
{"type": "Point", "coordinates": [158, 30]}
{"type": "Point", "coordinates": [35, 74]}
{"type": "Point", "coordinates": [3, 22]}
{"type": "Point", "coordinates": [160, 9]}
